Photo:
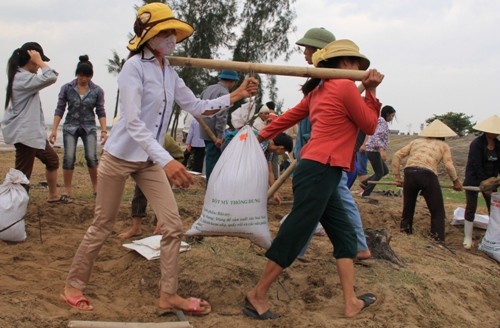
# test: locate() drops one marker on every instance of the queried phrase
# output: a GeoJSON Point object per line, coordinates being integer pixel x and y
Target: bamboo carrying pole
{"type": "Point", "coordinates": [106, 324]}
{"type": "Point", "coordinates": [324, 73]}
{"type": "Point", "coordinates": [394, 183]}
{"type": "Point", "coordinates": [281, 179]}
{"type": "Point", "coordinates": [205, 128]}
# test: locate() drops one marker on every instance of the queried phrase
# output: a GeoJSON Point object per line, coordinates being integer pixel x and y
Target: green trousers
{"type": "Point", "coordinates": [315, 199]}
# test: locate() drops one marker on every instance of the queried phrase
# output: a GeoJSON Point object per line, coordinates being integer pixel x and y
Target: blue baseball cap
{"type": "Point", "coordinates": [228, 75]}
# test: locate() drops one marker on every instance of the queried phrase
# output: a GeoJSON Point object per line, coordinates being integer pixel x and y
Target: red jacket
{"type": "Point", "coordinates": [336, 111]}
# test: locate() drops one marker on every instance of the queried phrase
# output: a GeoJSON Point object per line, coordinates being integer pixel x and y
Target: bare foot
{"type": "Point", "coordinates": [353, 308]}
{"type": "Point", "coordinates": [190, 305]}
{"type": "Point", "coordinates": [260, 304]}
{"type": "Point", "coordinates": [363, 255]}
{"type": "Point", "coordinates": [358, 304]}
{"type": "Point", "coordinates": [132, 232]}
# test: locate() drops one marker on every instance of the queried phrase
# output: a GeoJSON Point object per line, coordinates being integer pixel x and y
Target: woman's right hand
{"type": "Point", "coordinates": [372, 79]}
{"type": "Point", "coordinates": [177, 174]}
{"type": "Point", "coordinates": [53, 137]}
{"type": "Point", "coordinates": [457, 185]}
{"type": "Point", "coordinates": [383, 154]}
{"type": "Point", "coordinates": [36, 58]}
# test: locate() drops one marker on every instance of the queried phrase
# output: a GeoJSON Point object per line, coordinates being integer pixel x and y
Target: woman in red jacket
{"type": "Point", "coordinates": [337, 112]}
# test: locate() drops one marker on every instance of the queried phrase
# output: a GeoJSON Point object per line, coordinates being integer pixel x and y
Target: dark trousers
{"type": "Point", "coordinates": [423, 181]}
{"type": "Point", "coordinates": [212, 154]}
{"type": "Point", "coordinates": [470, 208]}
{"type": "Point", "coordinates": [380, 170]}
{"type": "Point", "coordinates": [25, 158]}
{"type": "Point", "coordinates": [139, 203]}
{"type": "Point", "coordinates": [193, 160]}
{"type": "Point", "coordinates": [315, 199]}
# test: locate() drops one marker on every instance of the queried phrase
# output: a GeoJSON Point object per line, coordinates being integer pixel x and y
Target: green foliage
{"type": "Point", "coordinates": [458, 122]}
{"type": "Point", "coordinates": [214, 23]}
{"type": "Point", "coordinates": [114, 66]}
{"type": "Point", "coordinates": [253, 30]}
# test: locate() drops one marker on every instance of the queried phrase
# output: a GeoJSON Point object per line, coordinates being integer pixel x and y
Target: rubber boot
{"type": "Point", "coordinates": [468, 227]}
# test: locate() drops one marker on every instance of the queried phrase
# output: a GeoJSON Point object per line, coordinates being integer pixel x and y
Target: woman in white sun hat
{"type": "Point", "coordinates": [483, 162]}
{"type": "Point", "coordinates": [149, 87]}
{"type": "Point", "coordinates": [421, 175]}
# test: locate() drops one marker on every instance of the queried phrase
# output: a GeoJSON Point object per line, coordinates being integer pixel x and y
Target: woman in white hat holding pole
{"type": "Point", "coordinates": [483, 162]}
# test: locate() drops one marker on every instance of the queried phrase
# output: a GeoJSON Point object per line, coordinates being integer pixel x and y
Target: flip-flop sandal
{"type": "Point", "coordinates": [64, 199]}
{"type": "Point", "coordinates": [268, 315]}
{"type": "Point", "coordinates": [368, 299]}
{"type": "Point", "coordinates": [75, 301]}
{"type": "Point", "coordinates": [250, 311]}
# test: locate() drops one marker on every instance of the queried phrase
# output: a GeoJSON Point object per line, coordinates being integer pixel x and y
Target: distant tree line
{"type": "Point", "coordinates": [458, 122]}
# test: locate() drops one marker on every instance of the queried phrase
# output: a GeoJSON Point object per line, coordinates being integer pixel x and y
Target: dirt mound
{"type": "Point", "coordinates": [437, 287]}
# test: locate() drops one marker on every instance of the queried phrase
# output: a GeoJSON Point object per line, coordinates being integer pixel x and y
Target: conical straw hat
{"type": "Point", "coordinates": [437, 129]}
{"type": "Point", "coordinates": [490, 125]}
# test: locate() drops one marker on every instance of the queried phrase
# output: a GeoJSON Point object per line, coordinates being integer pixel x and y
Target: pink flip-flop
{"type": "Point", "coordinates": [77, 301]}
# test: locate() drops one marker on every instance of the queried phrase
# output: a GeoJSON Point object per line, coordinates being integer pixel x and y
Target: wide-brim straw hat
{"type": "Point", "coordinates": [154, 18]}
{"type": "Point", "coordinates": [437, 129]}
{"type": "Point", "coordinates": [489, 125]}
{"type": "Point", "coordinates": [341, 48]}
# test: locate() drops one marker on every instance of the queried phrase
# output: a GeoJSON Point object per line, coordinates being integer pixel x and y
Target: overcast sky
{"type": "Point", "coordinates": [438, 56]}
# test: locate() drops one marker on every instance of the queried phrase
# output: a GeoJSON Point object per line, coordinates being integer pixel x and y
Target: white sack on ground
{"type": "Point", "coordinates": [491, 240]}
{"type": "Point", "coordinates": [13, 204]}
{"type": "Point", "coordinates": [149, 247]}
{"type": "Point", "coordinates": [236, 197]}
{"type": "Point", "coordinates": [480, 220]}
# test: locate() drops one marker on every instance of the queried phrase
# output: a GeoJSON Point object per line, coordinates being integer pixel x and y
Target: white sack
{"type": "Point", "coordinates": [480, 220]}
{"type": "Point", "coordinates": [149, 247]}
{"type": "Point", "coordinates": [491, 240]}
{"type": "Point", "coordinates": [236, 197]}
{"type": "Point", "coordinates": [13, 204]}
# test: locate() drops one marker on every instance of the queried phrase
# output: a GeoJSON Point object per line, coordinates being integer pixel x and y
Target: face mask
{"type": "Point", "coordinates": [163, 46]}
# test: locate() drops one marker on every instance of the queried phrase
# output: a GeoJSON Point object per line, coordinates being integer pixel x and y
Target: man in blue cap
{"type": "Point", "coordinates": [216, 123]}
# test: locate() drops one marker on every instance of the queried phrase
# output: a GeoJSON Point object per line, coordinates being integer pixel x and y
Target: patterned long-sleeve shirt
{"type": "Point", "coordinates": [380, 139]}
{"type": "Point", "coordinates": [425, 153]}
{"type": "Point", "coordinates": [80, 109]}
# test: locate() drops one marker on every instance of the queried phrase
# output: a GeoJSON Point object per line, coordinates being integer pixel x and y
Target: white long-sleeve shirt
{"type": "Point", "coordinates": [147, 96]}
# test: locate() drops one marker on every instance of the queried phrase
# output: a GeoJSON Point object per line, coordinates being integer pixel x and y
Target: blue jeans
{"type": "Point", "coordinates": [352, 213]}
{"type": "Point", "coordinates": [89, 144]}
{"type": "Point", "coordinates": [361, 163]}
{"type": "Point", "coordinates": [351, 176]}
